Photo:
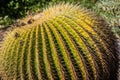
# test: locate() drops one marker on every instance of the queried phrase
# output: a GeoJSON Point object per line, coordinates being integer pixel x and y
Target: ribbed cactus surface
{"type": "Point", "coordinates": [66, 43]}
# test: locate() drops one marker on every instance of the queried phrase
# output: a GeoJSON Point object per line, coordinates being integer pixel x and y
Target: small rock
{"type": "Point", "coordinates": [16, 35]}
{"type": "Point", "coordinates": [23, 24]}
{"type": "Point", "coordinates": [30, 21]}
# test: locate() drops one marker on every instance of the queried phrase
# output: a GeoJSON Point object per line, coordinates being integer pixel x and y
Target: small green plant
{"type": "Point", "coordinates": [66, 42]}
{"type": "Point", "coordinates": [5, 21]}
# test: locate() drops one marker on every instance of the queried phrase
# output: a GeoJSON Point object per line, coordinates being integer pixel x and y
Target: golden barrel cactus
{"type": "Point", "coordinates": [67, 42]}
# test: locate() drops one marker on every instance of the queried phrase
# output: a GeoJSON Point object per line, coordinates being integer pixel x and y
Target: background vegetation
{"type": "Point", "coordinates": [110, 11]}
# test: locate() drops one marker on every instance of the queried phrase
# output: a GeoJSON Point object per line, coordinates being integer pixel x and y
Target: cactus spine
{"type": "Point", "coordinates": [67, 42]}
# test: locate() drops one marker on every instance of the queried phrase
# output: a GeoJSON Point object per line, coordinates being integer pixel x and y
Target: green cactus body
{"type": "Point", "coordinates": [66, 43]}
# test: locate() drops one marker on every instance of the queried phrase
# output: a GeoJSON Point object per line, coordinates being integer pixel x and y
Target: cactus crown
{"type": "Point", "coordinates": [66, 42]}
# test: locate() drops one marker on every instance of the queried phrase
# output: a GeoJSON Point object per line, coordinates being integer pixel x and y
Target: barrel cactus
{"type": "Point", "coordinates": [67, 42]}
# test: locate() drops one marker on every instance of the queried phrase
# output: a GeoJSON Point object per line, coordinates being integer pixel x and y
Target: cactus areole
{"type": "Point", "coordinates": [67, 42]}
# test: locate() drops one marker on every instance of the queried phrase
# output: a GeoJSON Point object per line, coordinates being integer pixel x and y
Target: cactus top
{"type": "Point", "coordinates": [66, 43]}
